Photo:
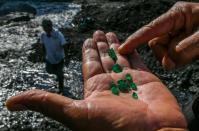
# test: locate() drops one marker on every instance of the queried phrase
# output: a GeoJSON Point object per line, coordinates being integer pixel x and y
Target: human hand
{"type": "Point", "coordinates": [170, 36]}
{"type": "Point", "coordinates": [100, 110]}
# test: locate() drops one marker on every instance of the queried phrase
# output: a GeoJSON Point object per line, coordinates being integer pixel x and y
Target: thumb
{"type": "Point", "coordinates": [70, 112]}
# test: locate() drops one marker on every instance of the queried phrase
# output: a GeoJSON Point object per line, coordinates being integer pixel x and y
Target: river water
{"type": "Point", "coordinates": [18, 74]}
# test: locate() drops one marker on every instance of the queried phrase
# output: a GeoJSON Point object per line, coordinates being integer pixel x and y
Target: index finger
{"type": "Point", "coordinates": [164, 24]}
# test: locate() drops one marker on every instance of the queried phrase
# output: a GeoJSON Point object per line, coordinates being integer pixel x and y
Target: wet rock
{"type": "Point", "coordinates": [120, 16]}
{"type": "Point", "coordinates": [15, 12]}
{"type": "Point", "coordinates": [9, 7]}
{"type": "Point", "coordinates": [35, 53]}
{"type": "Point", "coordinates": [15, 17]}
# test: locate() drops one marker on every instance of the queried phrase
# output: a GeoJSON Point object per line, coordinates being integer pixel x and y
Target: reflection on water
{"type": "Point", "coordinates": [18, 74]}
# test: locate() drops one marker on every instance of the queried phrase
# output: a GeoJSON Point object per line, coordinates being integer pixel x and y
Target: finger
{"type": "Point", "coordinates": [162, 40]}
{"type": "Point", "coordinates": [189, 53]}
{"type": "Point", "coordinates": [91, 60]}
{"type": "Point", "coordinates": [175, 19]}
{"type": "Point", "coordinates": [189, 22]}
{"type": "Point", "coordinates": [65, 110]}
{"type": "Point", "coordinates": [113, 42]}
{"type": "Point", "coordinates": [191, 41]}
{"type": "Point", "coordinates": [158, 27]}
{"type": "Point", "coordinates": [159, 46]}
{"type": "Point", "coordinates": [137, 62]}
{"type": "Point", "coordinates": [103, 47]}
{"type": "Point", "coordinates": [161, 53]}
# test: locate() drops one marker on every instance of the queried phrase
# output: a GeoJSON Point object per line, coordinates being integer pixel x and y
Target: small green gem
{"type": "Point", "coordinates": [117, 68]}
{"type": "Point", "coordinates": [113, 85]}
{"type": "Point", "coordinates": [134, 95]}
{"type": "Point", "coordinates": [112, 54]}
{"type": "Point", "coordinates": [123, 85]}
{"type": "Point", "coordinates": [128, 77]}
{"type": "Point", "coordinates": [133, 86]}
{"type": "Point", "coordinates": [114, 89]}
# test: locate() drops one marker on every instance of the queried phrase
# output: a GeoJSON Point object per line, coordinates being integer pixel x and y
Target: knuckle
{"type": "Point", "coordinates": [103, 47]}
{"type": "Point", "coordinates": [45, 96]}
{"type": "Point", "coordinates": [182, 5]}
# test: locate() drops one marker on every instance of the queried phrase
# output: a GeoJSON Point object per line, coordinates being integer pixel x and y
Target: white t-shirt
{"type": "Point", "coordinates": [53, 46]}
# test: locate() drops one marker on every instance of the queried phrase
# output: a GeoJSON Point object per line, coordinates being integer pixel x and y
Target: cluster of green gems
{"type": "Point", "coordinates": [122, 85]}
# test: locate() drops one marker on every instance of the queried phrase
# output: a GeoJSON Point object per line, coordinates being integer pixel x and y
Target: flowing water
{"type": "Point", "coordinates": [17, 74]}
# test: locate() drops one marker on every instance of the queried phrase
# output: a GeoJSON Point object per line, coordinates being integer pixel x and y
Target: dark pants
{"type": "Point", "coordinates": [57, 69]}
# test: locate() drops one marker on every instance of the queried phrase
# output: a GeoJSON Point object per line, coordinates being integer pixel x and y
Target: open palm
{"type": "Point", "coordinates": [155, 109]}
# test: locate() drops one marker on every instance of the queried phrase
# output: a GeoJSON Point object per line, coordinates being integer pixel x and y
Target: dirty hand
{"type": "Point", "coordinates": [170, 36]}
{"type": "Point", "coordinates": [155, 110]}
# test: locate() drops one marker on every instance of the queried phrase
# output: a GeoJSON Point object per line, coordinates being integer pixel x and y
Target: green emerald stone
{"type": "Point", "coordinates": [114, 89]}
{"type": "Point", "coordinates": [112, 54]}
{"type": "Point", "coordinates": [133, 86]}
{"type": "Point", "coordinates": [117, 68]}
{"type": "Point", "coordinates": [123, 85]}
{"type": "Point", "coordinates": [128, 77]}
{"type": "Point", "coordinates": [134, 95]}
{"type": "Point", "coordinates": [113, 85]}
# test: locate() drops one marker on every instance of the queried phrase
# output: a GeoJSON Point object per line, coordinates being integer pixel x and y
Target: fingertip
{"type": "Point", "coordinates": [88, 43]}
{"type": "Point", "coordinates": [99, 36]}
{"type": "Point", "coordinates": [123, 50]}
{"type": "Point", "coordinates": [88, 40]}
{"type": "Point", "coordinates": [12, 105]}
{"type": "Point", "coordinates": [111, 35]}
{"type": "Point", "coordinates": [112, 38]}
{"type": "Point", "coordinates": [178, 48]}
{"type": "Point", "coordinates": [8, 105]}
{"type": "Point", "coordinates": [120, 49]}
